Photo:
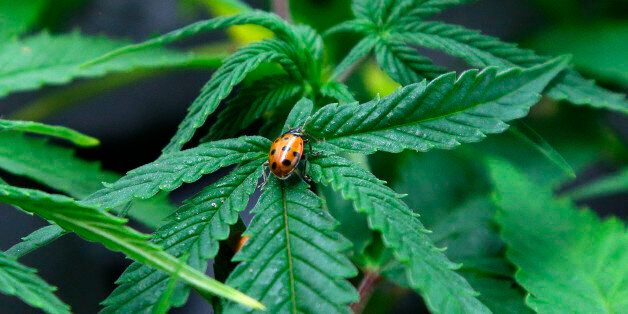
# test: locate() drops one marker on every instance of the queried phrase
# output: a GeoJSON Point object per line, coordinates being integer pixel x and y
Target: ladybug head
{"type": "Point", "coordinates": [296, 131]}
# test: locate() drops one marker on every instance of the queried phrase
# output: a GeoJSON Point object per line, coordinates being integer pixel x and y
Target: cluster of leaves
{"type": "Point", "coordinates": [306, 240]}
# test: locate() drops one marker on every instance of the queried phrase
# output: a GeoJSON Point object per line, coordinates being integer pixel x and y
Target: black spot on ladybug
{"type": "Point", "coordinates": [285, 148]}
{"type": "Point", "coordinates": [272, 152]}
{"type": "Point", "coordinates": [286, 162]}
{"type": "Point", "coordinates": [286, 138]}
{"type": "Point", "coordinates": [277, 140]}
{"type": "Point", "coordinates": [273, 166]}
{"type": "Point", "coordinates": [296, 154]}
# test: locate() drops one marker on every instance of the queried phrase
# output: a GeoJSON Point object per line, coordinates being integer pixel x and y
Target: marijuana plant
{"type": "Point", "coordinates": [308, 239]}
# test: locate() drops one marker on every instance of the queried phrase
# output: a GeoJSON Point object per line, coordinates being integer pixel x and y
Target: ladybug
{"type": "Point", "coordinates": [286, 152]}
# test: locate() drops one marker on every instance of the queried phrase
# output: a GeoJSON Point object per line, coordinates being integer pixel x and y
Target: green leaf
{"type": "Point", "coordinates": [579, 143]}
{"type": "Point", "coordinates": [293, 261]}
{"type": "Point", "coordinates": [193, 232]}
{"type": "Point", "coordinates": [353, 225]}
{"type": "Point", "coordinates": [361, 26]}
{"type": "Point", "coordinates": [39, 238]}
{"type": "Point", "coordinates": [568, 259]}
{"type": "Point", "coordinates": [597, 48]}
{"type": "Point", "coordinates": [50, 130]}
{"type": "Point", "coordinates": [359, 52]}
{"type": "Point", "coordinates": [436, 182]}
{"type": "Point", "coordinates": [98, 226]}
{"type": "Point", "coordinates": [393, 12]}
{"type": "Point", "coordinates": [260, 99]}
{"type": "Point", "coordinates": [231, 73]}
{"type": "Point", "coordinates": [427, 269]}
{"type": "Point", "coordinates": [615, 183]}
{"type": "Point", "coordinates": [45, 59]}
{"type": "Point", "coordinates": [299, 114]}
{"type": "Point", "coordinates": [526, 134]}
{"type": "Point", "coordinates": [256, 17]}
{"type": "Point", "coordinates": [404, 64]}
{"type": "Point", "coordinates": [499, 294]}
{"type": "Point", "coordinates": [311, 42]}
{"type": "Point", "coordinates": [371, 10]}
{"type": "Point", "coordinates": [481, 51]}
{"type": "Point", "coordinates": [150, 212]}
{"type": "Point", "coordinates": [170, 171]}
{"type": "Point", "coordinates": [475, 48]}
{"type": "Point", "coordinates": [409, 11]}
{"type": "Point", "coordinates": [337, 91]}
{"type": "Point", "coordinates": [58, 168]}
{"type": "Point", "coordinates": [16, 17]}
{"type": "Point", "coordinates": [442, 114]}
{"type": "Point", "coordinates": [498, 291]}
{"type": "Point", "coordinates": [23, 282]}
{"type": "Point", "coordinates": [578, 90]}
{"type": "Point", "coordinates": [451, 191]}
{"type": "Point", "coordinates": [468, 233]}
{"type": "Point", "coordinates": [51, 165]}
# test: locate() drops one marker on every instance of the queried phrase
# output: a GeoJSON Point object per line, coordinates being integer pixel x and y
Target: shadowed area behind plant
{"type": "Point", "coordinates": [136, 121]}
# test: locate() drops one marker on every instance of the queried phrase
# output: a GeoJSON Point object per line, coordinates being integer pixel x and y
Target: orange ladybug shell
{"type": "Point", "coordinates": [285, 154]}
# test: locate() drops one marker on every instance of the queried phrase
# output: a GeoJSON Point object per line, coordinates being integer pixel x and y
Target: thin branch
{"type": "Point", "coordinates": [346, 74]}
{"type": "Point", "coordinates": [366, 288]}
{"type": "Point", "coordinates": [282, 8]}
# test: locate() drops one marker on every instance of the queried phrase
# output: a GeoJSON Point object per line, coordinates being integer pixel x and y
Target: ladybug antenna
{"type": "Point", "coordinates": [296, 131]}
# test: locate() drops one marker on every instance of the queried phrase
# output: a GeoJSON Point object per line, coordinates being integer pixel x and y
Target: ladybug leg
{"type": "Point", "coordinates": [302, 170]}
{"type": "Point", "coordinates": [311, 153]}
{"type": "Point", "coordinates": [304, 176]}
{"type": "Point", "coordinates": [265, 174]}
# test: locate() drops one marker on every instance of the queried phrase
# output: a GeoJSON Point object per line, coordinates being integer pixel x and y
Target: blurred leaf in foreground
{"type": "Point", "coordinates": [45, 59]}
{"type": "Point", "coordinates": [112, 232]}
{"type": "Point", "coordinates": [23, 282]}
{"type": "Point", "coordinates": [50, 130]}
{"type": "Point", "coordinates": [567, 258]}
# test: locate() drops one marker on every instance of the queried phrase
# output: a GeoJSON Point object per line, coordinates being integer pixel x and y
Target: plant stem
{"type": "Point", "coordinates": [282, 8]}
{"type": "Point", "coordinates": [366, 288]}
{"type": "Point", "coordinates": [345, 75]}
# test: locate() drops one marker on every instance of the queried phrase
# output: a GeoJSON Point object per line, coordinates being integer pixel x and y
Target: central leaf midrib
{"type": "Point", "coordinates": [288, 250]}
{"type": "Point", "coordinates": [445, 116]}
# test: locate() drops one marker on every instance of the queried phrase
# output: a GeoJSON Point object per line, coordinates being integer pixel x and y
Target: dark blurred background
{"type": "Point", "coordinates": [134, 122]}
